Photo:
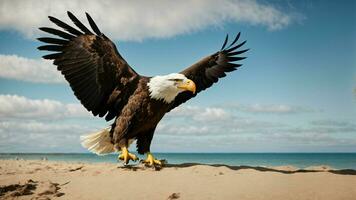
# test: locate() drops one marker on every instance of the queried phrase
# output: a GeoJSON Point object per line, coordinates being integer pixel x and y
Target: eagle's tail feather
{"type": "Point", "coordinates": [98, 142]}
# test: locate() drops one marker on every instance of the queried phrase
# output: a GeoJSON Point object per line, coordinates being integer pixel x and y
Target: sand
{"type": "Point", "coordinates": [32, 179]}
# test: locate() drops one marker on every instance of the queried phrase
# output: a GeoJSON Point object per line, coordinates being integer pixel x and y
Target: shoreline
{"type": "Point", "coordinates": [35, 179]}
{"type": "Point", "coordinates": [299, 160]}
{"type": "Point", "coordinates": [137, 165]}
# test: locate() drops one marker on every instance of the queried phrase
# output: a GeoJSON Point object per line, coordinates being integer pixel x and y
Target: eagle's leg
{"type": "Point", "coordinates": [151, 160]}
{"type": "Point", "coordinates": [126, 156]}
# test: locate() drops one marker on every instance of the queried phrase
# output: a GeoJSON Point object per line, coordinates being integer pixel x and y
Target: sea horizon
{"type": "Point", "coordinates": [337, 160]}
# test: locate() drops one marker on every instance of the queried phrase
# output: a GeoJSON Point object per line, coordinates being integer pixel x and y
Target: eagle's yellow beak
{"type": "Point", "coordinates": [188, 85]}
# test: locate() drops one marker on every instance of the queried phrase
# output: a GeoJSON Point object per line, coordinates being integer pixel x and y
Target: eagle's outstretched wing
{"type": "Point", "coordinates": [100, 78]}
{"type": "Point", "coordinates": [207, 71]}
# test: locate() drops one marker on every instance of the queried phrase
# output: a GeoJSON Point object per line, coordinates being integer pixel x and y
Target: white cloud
{"type": "Point", "coordinates": [208, 121]}
{"type": "Point", "coordinates": [19, 107]}
{"type": "Point", "coordinates": [31, 70]}
{"type": "Point", "coordinates": [37, 136]}
{"type": "Point", "coordinates": [239, 128]}
{"type": "Point", "coordinates": [38, 127]}
{"type": "Point", "coordinates": [42, 126]}
{"type": "Point", "coordinates": [187, 129]}
{"type": "Point", "coordinates": [137, 20]}
{"type": "Point", "coordinates": [200, 114]}
{"type": "Point", "coordinates": [332, 123]}
{"type": "Point", "coordinates": [271, 108]}
{"type": "Point", "coordinates": [324, 127]}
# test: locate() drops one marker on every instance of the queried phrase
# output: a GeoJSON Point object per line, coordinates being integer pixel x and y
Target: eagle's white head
{"type": "Point", "coordinates": [167, 87]}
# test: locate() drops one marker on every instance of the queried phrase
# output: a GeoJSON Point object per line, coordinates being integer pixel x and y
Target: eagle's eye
{"type": "Point", "coordinates": [176, 79]}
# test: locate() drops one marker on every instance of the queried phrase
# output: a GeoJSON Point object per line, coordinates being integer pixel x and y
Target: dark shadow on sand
{"type": "Point", "coordinates": [236, 168]}
{"type": "Point", "coordinates": [263, 169]}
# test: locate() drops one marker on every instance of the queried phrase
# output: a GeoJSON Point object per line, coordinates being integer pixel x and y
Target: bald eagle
{"type": "Point", "coordinates": [108, 87]}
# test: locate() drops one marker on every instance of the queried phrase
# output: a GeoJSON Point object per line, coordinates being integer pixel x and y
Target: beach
{"type": "Point", "coordinates": [34, 179]}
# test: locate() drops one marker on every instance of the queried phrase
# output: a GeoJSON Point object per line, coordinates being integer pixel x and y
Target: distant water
{"type": "Point", "coordinates": [300, 160]}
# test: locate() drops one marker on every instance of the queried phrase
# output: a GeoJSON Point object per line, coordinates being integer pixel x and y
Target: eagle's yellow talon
{"type": "Point", "coordinates": [151, 161]}
{"type": "Point", "coordinates": [126, 156]}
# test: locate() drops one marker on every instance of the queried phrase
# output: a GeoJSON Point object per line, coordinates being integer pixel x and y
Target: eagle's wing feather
{"type": "Point", "coordinates": [100, 78]}
{"type": "Point", "coordinates": [207, 71]}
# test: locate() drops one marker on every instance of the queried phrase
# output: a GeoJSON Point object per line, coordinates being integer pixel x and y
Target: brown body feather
{"type": "Point", "coordinates": [139, 118]}
{"type": "Point", "coordinates": [107, 86]}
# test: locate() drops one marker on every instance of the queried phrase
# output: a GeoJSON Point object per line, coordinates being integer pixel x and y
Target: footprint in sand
{"type": "Point", "coordinates": [37, 190]}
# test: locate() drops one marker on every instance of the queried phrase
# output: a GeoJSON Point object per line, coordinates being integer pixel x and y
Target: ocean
{"type": "Point", "coordinates": [300, 160]}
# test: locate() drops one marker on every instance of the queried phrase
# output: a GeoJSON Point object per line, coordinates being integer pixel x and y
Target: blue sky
{"type": "Point", "coordinates": [294, 93]}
